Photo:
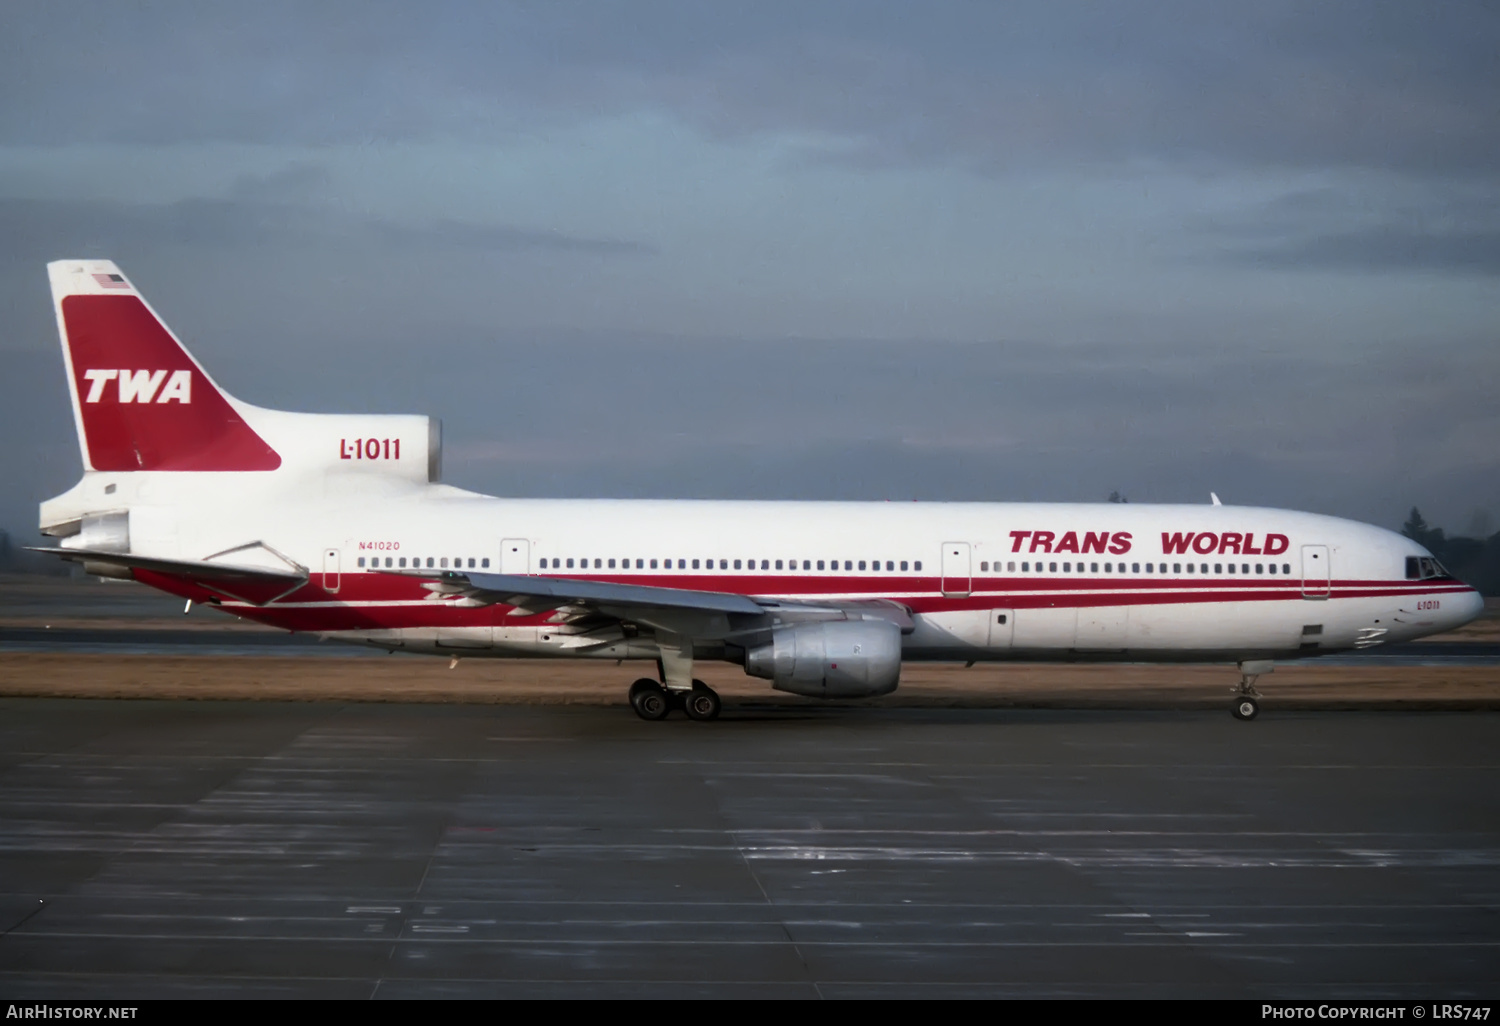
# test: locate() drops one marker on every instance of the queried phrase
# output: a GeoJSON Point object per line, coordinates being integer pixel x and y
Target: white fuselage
{"type": "Point", "coordinates": [983, 580]}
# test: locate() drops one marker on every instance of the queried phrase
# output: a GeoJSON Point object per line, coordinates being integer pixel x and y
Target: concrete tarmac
{"type": "Point", "coordinates": [153, 849]}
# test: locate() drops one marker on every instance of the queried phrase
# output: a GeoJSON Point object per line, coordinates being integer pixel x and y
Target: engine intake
{"type": "Point", "coordinates": [831, 659]}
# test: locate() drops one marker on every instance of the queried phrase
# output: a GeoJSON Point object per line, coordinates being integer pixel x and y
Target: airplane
{"type": "Point", "coordinates": [339, 525]}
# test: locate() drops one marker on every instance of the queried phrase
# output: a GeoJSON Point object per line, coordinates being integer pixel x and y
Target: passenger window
{"type": "Point", "coordinates": [1011, 566]}
{"type": "Point", "coordinates": [695, 564]}
{"type": "Point", "coordinates": [1272, 568]}
{"type": "Point", "coordinates": [682, 564]}
{"type": "Point", "coordinates": [917, 565]}
{"type": "Point", "coordinates": [429, 561]}
{"type": "Point", "coordinates": [1093, 568]}
{"type": "Point", "coordinates": [807, 564]}
{"type": "Point", "coordinates": [1191, 568]}
{"type": "Point", "coordinates": [1026, 567]}
{"type": "Point", "coordinates": [1135, 568]}
{"type": "Point", "coordinates": [890, 564]}
{"type": "Point", "coordinates": [1231, 567]}
{"type": "Point", "coordinates": [361, 560]}
{"type": "Point", "coordinates": [1286, 568]}
{"type": "Point", "coordinates": [611, 564]}
{"type": "Point", "coordinates": [1150, 567]}
{"type": "Point", "coordinates": [903, 566]}
{"type": "Point", "coordinates": [820, 564]}
{"type": "Point", "coordinates": [1109, 568]}
{"type": "Point", "coordinates": [778, 564]}
{"type": "Point", "coordinates": [1067, 567]}
{"type": "Point", "coordinates": [471, 562]}
{"type": "Point", "coordinates": [1260, 568]}
{"type": "Point", "coordinates": [1244, 568]}
{"type": "Point", "coordinates": [1052, 568]}
{"type": "Point", "coordinates": [736, 564]}
{"type": "Point", "coordinates": [484, 563]}
{"type": "Point", "coordinates": [984, 568]}
{"type": "Point", "coordinates": [1177, 568]}
{"type": "Point", "coordinates": [765, 564]}
{"type": "Point", "coordinates": [848, 564]}
{"type": "Point", "coordinates": [723, 564]}
{"type": "Point", "coordinates": [653, 564]}
{"type": "Point", "coordinates": [1218, 568]}
{"type": "Point", "coordinates": [403, 562]}
{"type": "Point", "coordinates": [570, 564]}
{"type": "Point", "coordinates": [640, 564]}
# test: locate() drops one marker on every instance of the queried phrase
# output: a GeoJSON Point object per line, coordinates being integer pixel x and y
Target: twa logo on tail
{"type": "Point", "coordinates": [141, 385]}
{"type": "Point", "coordinates": [141, 402]}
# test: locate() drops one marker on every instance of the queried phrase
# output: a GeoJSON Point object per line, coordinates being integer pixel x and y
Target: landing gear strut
{"type": "Point", "coordinates": [1246, 698]}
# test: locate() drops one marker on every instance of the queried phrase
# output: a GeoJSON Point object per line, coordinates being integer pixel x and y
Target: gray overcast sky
{"type": "Point", "coordinates": [822, 250]}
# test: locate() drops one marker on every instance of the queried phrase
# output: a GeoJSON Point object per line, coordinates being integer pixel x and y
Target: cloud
{"type": "Point", "coordinates": [35, 229]}
{"type": "Point", "coordinates": [1386, 249]}
{"type": "Point", "coordinates": [987, 86]}
{"type": "Point", "coordinates": [1379, 228]}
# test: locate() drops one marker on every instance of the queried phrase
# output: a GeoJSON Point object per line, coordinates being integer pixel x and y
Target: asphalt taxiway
{"type": "Point", "coordinates": [154, 848]}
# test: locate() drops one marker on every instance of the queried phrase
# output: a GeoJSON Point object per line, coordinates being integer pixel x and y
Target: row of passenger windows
{"type": "Point", "coordinates": [435, 562]}
{"type": "Point", "coordinates": [872, 565]}
{"type": "Point", "coordinates": [1132, 568]}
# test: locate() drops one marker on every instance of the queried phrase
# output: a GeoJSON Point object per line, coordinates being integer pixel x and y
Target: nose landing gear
{"type": "Point", "coordinates": [1247, 699]}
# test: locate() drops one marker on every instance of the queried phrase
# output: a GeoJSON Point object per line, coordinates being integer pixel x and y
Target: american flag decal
{"type": "Point", "coordinates": [111, 281]}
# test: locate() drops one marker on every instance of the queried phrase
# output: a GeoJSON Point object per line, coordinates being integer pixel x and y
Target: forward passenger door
{"type": "Point", "coordinates": [1317, 572]}
{"type": "Point", "coordinates": [957, 571]}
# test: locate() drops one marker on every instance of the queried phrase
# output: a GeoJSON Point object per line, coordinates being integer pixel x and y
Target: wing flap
{"type": "Point", "coordinates": [529, 592]}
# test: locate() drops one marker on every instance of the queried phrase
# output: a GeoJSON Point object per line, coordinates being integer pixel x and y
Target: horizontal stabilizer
{"type": "Point", "coordinates": [254, 584]}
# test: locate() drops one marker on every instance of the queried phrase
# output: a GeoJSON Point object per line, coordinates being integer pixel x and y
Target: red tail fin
{"type": "Point", "coordinates": [140, 400]}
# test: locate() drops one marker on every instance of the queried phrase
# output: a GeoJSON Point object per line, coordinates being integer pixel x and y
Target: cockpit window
{"type": "Point", "coordinates": [1422, 568]}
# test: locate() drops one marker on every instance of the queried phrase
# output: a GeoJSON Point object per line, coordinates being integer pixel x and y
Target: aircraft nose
{"type": "Point", "coordinates": [1467, 607]}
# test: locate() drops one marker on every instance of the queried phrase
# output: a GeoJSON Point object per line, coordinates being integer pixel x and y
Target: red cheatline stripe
{"type": "Point", "coordinates": [311, 608]}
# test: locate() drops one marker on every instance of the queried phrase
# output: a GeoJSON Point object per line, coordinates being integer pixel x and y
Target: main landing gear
{"type": "Point", "coordinates": [651, 701]}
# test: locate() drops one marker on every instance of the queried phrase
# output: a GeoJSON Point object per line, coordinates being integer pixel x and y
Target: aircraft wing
{"type": "Point", "coordinates": [562, 591]}
{"type": "Point", "coordinates": [677, 610]}
{"type": "Point", "coordinates": [254, 584]}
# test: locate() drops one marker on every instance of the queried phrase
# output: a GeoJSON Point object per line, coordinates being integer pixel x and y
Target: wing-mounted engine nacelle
{"type": "Point", "coordinates": [837, 659]}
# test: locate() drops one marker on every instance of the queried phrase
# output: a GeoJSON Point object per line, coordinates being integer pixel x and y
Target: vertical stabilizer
{"type": "Point", "coordinates": [140, 400]}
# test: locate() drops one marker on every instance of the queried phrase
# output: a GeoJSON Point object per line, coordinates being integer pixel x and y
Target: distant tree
{"type": "Point", "coordinates": [1117, 497]}
{"type": "Point", "coordinates": [7, 552]}
{"type": "Point", "coordinates": [1417, 529]}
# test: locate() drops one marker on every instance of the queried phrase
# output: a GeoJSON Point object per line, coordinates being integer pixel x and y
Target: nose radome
{"type": "Point", "coordinates": [1467, 608]}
